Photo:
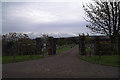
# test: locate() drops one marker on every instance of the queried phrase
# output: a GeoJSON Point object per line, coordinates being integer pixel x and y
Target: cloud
{"type": "Point", "coordinates": [47, 1]}
{"type": "Point", "coordinates": [43, 17]}
{"type": "Point", "coordinates": [43, 12]}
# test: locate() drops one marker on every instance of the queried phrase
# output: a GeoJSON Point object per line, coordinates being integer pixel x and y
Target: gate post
{"type": "Point", "coordinates": [79, 45]}
{"type": "Point", "coordinates": [54, 46]}
{"type": "Point", "coordinates": [38, 46]}
{"type": "Point", "coordinates": [50, 45]}
{"type": "Point", "coordinates": [82, 45]}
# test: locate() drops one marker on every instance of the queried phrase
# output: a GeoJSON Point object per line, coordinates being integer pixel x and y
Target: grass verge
{"type": "Point", "coordinates": [109, 60]}
{"type": "Point", "coordinates": [64, 49]}
{"type": "Point", "coordinates": [10, 59]}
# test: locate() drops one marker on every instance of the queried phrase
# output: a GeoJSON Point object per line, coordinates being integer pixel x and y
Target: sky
{"type": "Point", "coordinates": [55, 18]}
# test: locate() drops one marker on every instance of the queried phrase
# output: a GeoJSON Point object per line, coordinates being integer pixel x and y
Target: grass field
{"type": "Point", "coordinates": [10, 59]}
{"type": "Point", "coordinates": [109, 60]}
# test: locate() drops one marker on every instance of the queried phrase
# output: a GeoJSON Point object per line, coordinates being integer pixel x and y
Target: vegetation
{"type": "Point", "coordinates": [109, 60]}
{"type": "Point", "coordinates": [11, 42]}
{"type": "Point", "coordinates": [10, 59]}
{"type": "Point", "coordinates": [104, 17]}
{"type": "Point", "coordinates": [0, 59]}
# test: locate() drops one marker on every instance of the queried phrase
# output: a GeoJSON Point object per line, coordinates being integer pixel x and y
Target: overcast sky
{"type": "Point", "coordinates": [53, 18]}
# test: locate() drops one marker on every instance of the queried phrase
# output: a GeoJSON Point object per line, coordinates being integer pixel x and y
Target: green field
{"type": "Point", "coordinates": [109, 60]}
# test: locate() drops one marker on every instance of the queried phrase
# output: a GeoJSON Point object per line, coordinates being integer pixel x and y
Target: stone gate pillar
{"type": "Point", "coordinates": [38, 46]}
{"type": "Point", "coordinates": [82, 45]}
{"type": "Point", "coordinates": [19, 48]}
{"type": "Point", "coordinates": [79, 45]}
{"type": "Point", "coordinates": [50, 45]}
{"type": "Point", "coordinates": [54, 46]}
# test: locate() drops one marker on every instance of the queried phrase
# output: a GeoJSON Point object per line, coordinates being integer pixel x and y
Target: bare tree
{"type": "Point", "coordinates": [104, 17]}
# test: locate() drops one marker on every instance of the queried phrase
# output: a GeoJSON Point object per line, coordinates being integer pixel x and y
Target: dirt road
{"type": "Point", "coordinates": [63, 65]}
